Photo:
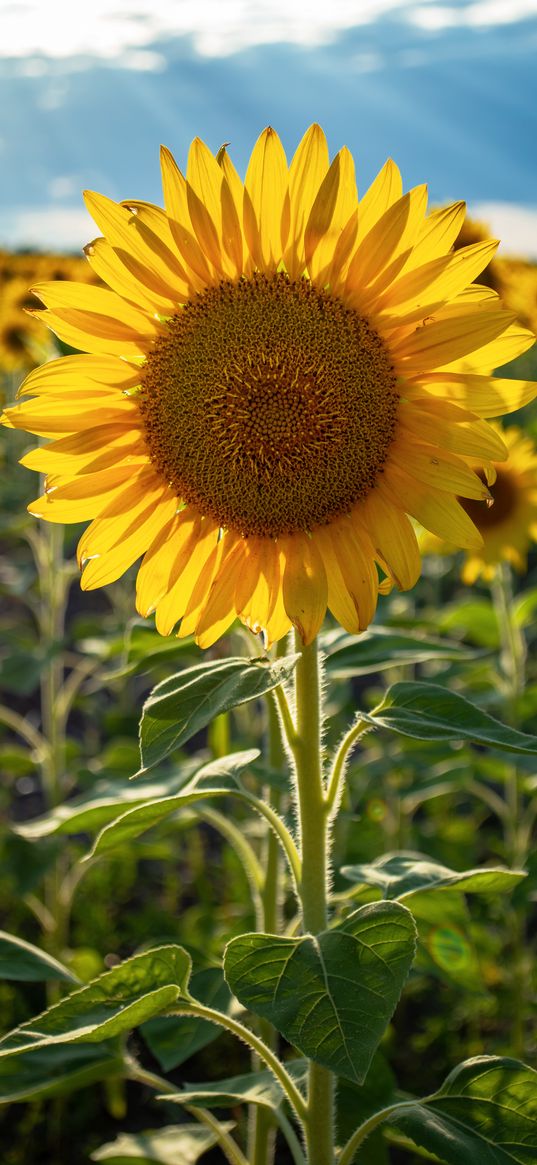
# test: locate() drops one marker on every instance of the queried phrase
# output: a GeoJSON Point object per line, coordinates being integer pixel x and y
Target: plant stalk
{"type": "Point", "coordinates": [315, 850]}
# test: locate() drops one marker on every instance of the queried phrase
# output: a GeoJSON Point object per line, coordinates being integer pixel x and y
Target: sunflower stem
{"type": "Point", "coordinates": [263, 1128]}
{"type": "Point", "coordinates": [315, 849]}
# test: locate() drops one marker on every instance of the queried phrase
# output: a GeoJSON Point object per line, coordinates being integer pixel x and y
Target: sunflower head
{"type": "Point", "coordinates": [275, 383]}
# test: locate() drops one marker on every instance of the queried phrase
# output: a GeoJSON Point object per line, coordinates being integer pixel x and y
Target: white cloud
{"type": "Point", "coordinates": [479, 14]}
{"type": "Point", "coordinates": [53, 228]}
{"type": "Point", "coordinates": [59, 29]}
{"type": "Point", "coordinates": [515, 226]}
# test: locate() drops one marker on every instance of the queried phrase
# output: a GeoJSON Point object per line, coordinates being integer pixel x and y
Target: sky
{"type": "Point", "coordinates": [88, 93]}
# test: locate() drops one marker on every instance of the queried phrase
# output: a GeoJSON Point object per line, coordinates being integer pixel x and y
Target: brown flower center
{"type": "Point", "coordinates": [269, 405]}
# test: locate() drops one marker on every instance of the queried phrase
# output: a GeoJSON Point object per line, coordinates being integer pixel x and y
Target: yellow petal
{"type": "Point", "coordinates": [127, 234]}
{"type": "Point", "coordinates": [266, 201]}
{"type": "Point", "coordinates": [109, 566]}
{"type": "Point", "coordinates": [201, 589]}
{"type": "Point", "coordinates": [52, 417]}
{"type": "Point", "coordinates": [191, 559]}
{"type": "Point", "coordinates": [84, 297]}
{"type": "Point", "coordinates": [156, 573]}
{"type": "Point", "coordinates": [385, 190]}
{"type": "Point", "coordinates": [437, 468]}
{"type": "Point", "coordinates": [119, 519]}
{"type": "Point", "coordinates": [354, 553]}
{"type": "Point", "coordinates": [306, 173]}
{"type": "Point", "coordinates": [219, 610]}
{"type": "Point", "coordinates": [487, 396]}
{"type": "Point", "coordinates": [435, 282]}
{"type": "Point", "coordinates": [232, 212]}
{"type": "Point", "coordinates": [437, 510]}
{"type": "Point", "coordinates": [475, 439]}
{"type": "Point", "coordinates": [89, 450]}
{"type": "Point", "coordinates": [334, 206]}
{"type": "Point", "coordinates": [129, 279]}
{"type": "Point", "coordinates": [305, 589]}
{"type": "Point", "coordinates": [390, 237]}
{"type": "Point", "coordinates": [437, 235]}
{"type": "Point", "coordinates": [71, 371]}
{"type": "Point", "coordinates": [340, 599]}
{"type": "Point", "coordinates": [96, 334]}
{"type": "Point", "coordinates": [394, 540]}
{"type": "Point", "coordinates": [444, 341]}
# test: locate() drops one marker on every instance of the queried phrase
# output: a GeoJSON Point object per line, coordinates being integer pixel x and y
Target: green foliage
{"type": "Point", "coordinates": [113, 1003]}
{"type": "Point", "coordinates": [181, 706]}
{"type": "Point", "coordinates": [402, 875]}
{"type": "Point", "coordinates": [165, 1146]}
{"type": "Point", "coordinates": [485, 1112]}
{"type": "Point", "coordinates": [330, 995]}
{"type": "Point", "coordinates": [430, 712]}
{"type": "Point", "coordinates": [21, 960]}
{"type": "Point", "coordinates": [381, 648]}
{"type": "Point", "coordinates": [217, 779]}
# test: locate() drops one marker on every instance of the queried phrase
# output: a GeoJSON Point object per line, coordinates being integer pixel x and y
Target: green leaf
{"type": "Point", "coordinates": [429, 712]}
{"type": "Point", "coordinates": [217, 779]}
{"type": "Point", "coordinates": [476, 618]}
{"type": "Point", "coordinates": [166, 1146]}
{"type": "Point", "coordinates": [399, 875]}
{"type": "Point", "coordinates": [253, 1088]}
{"type": "Point", "coordinates": [92, 810]}
{"type": "Point", "coordinates": [333, 995]}
{"type": "Point", "coordinates": [21, 960]}
{"type": "Point", "coordinates": [56, 1070]}
{"type": "Point", "coordinates": [113, 1003]}
{"type": "Point", "coordinates": [484, 1113]}
{"type": "Point", "coordinates": [172, 1038]}
{"type": "Point", "coordinates": [181, 706]}
{"type": "Point", "coordinates": [382, 647]}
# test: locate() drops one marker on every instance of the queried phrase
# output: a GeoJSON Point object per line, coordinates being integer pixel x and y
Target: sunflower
{"type": "Point", "coordinates": [507, 524]}
{"type": "Point", "coordinates": [272, 386]}
{"type": "Point", "coordinates": [514, 279]}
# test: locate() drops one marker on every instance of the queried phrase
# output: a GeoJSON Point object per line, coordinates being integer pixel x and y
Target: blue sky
{"type": "Point", "coordinates": [87, 95]}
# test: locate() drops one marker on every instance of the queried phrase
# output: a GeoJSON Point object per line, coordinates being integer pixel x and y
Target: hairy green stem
{"type": "Point", "coordinates": [337, 773]}
{"type": "Point", "coordinates": [314, 885]}
{"type": "Point", "coordinates": [192, 1007]}
{"type": "Point", "coordinates": [349, 1151]}
{"type": "Point", "coordinates": [262, 1141]}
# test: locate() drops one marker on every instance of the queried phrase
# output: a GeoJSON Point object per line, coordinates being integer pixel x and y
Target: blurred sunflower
{"type": "Point", "coordinates": [508, 525]}
{"type": "Point", "coordinates": [273, 386]}
{"type": "Point", "coordinates": [515, 280]}
{"type": "Point", "coordinates": [23, 343]}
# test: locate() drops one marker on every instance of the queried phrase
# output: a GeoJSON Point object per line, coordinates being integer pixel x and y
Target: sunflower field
{"type": "Point", "coordinates": [268, 708]}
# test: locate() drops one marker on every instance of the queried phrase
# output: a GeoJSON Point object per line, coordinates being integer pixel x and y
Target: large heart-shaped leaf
{"type": "Point", "coordinates": [184, 704]}
{"type": "Point", "coordinates": [115, 1002]}
{"type": "Point", "coordinates": [429, 712]}
{"type": "Point", "coordinates": [400, 875]}
{"type": "Point", "coordinates": [484, 1113]}
{"type": "Point", "coordinates": [330, 995]}
{"type": "Point", "coordinates": [21, 960]}
{"type": "Point", "coordinates": [216, 779]}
